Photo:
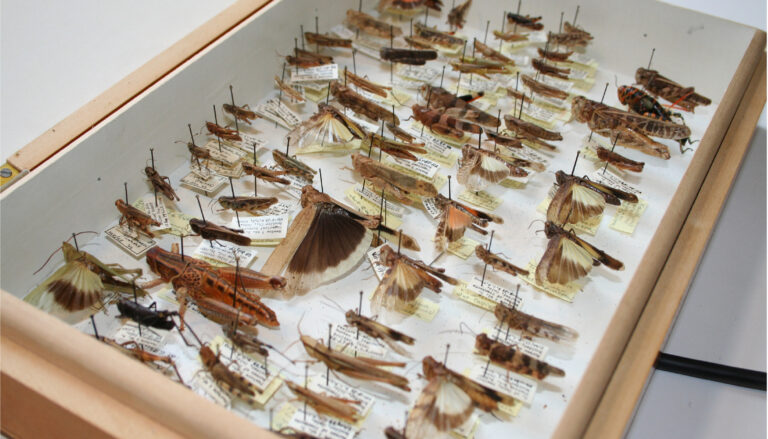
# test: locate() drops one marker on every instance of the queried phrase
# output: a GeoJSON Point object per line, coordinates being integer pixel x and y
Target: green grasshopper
{"type": "Point", "coordinates": [82, 280]}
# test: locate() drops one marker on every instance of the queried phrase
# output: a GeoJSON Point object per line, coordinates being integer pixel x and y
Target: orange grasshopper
{"type": "Point", "coordinates": [213, 288]}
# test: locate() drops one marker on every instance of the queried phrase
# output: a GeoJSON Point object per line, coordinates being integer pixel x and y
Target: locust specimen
{"type": "Point", "coordinates": [543, 89]}
{"type": "Point", "coordinates": [214, 232]}
{"type": "Point", "coordinates": [571, 37]}
{"type": "Point", "coordinates": [146, 316]}
{"type": "Point", "coordinates": [243, 113]}
{"type": "Point", "coordinates": [406, 5]}
{"type": "Point", "coordinates": [224, 133]}
{"type": "Point", "coordinates": [293, 166]}
{"type": "Point", "coordinates": [642, 103]}
{"type": "Point", "coordinates": [366, 369]}
{"type": "Point", "coordinates": [135, 219]}
{"type": "Point", "coordinates": [459, 107]}
{"type": "Point", "coordinates": [327, 41]}
{"type": "Point", "coordinates": [509, 36]}
{"type": "Point", "coordinates": [229, 380]}
{"type": "Point", "coordinates": [498, 262]}
{"type": "Point", "coordinates": [161, 183]}
{"type": "Point", "coordinates": [658, 85]}
{"type": "Point", "coordinates": [213, 288]}
{"type": "Point", "coordinates": [80, 282]}
{"type": "Point", "coordinates": [513, 360]}
{"type": "Point", "coordinates": [393, 181]}
{"type": "Point", "coordinates": [132, 349]}
{"type": "Point", "coordinates": [525, 21]}
{"type": "Point", "coordinates": [366, 85]}
{"type": "Point", "coordinates": [553, 55]}
{"type": "Point", "coordinates": [569, 257]}
{"type": "Point", "coordinates": [618, 160]}
{"type": "Point", "coordinates": [394, 148]}
{"type": "Point", "coordinates": [378, 331]}
{"type": "Point", "coordinates": [324, 404]}
{"type": "Point", "coordinates": [533, 326]}
{"type": "Point", "coordinates": [404, 279]}
{"type": "Point", "coordinates": [481, 67]}
{"type": "Point", "coordinates": [288, 90]}
{"type": "Point", "coordinates": [455, 218]}
{"type": "Point", "coordinates": [264, 173]}
{"type": "Point", "coordinates": [492, 54]}
{"type": "Point", "coordinates": [252, 205]}
{"type": "Point", "coordinates": [456, 18]}
{"type": "Point", "coordinates": [628, 129]}
{"type": "Point", "coordinates": [369, 25]}
{"type": "Point", "coordinates": [435, 36]}
{"type": "Point", "coordinates": [448, 401]}
{"type": "Point", "coordinates": [357, 103]}
{"type": "Point", "coordinates": [441, 123]}
{"type": "Point", "coordinates": [328, 126]}
{"type": "Point", "coordinates": [577, 199]}
{"type": "Point", "coordinates": [481, 168]}
{"type": "Point", "coordinates": [304, 59]}
{"type": "Point", "coordinates": [550, 70]}
{"type": "Point", "coordinates": [407, 56]}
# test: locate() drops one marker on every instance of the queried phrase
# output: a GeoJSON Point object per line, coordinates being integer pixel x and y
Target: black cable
{"type": "Point", "coordinates": [711, 371]}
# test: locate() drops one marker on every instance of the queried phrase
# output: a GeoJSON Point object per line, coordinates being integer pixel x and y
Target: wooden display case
{"type": "Point", "coordinates": [58, 381]}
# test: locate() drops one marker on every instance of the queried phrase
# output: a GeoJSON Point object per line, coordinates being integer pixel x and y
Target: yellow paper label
{"type": "Point", "coordinates": [512, 183]}
{"type": "Point", "coordinates": [463, 248]}
{"type": "Point", "coordinates": [481, 199]}
{"type": "Point", "coordinates": [467, 431]}
{"type": "Point", "coordinates": [463, 292]}
{"type": "Point", "coordinates": [448, 160]}
{"type": "Point", "coordinates": [349, 146]}
{"type": "Point", "coordinates": [449, 140]}
{"type": "Point", "coordinates": [628, 216]}
{"type": "Point", "coordinates": [565, 292]}
{"type": "Point", "coordinates": [589, 226]}
{"type": "Point", "coordinates": [365, 206]}
{"type": "Point", "coordinates": [282, 416]}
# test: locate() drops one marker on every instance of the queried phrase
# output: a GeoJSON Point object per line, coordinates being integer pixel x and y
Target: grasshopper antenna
{"type": "Point", "coordinates": [59, 248]}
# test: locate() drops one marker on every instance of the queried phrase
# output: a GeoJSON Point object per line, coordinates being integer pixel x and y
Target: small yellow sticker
{"type": "Point", "coordinates": [481, 199]}
{"type": "Point", "coordinates": [365, 206]}
{"type": "Point", "coordinates": [628, 216]}
{"type": "Point", "coordinates": [463, 248]}
{"type": "Point", "coordinates": [464, 293]}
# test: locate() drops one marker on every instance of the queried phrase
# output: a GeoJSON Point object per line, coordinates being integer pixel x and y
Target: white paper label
{"type": "Point", "coordinates": [127, 240]}
{"type": "Point", "coordinates": [496, 378]}
{"type": "Point", "coordinates": [432, 144]}
{"type": "Point", "coordinates": [375, 257]}
{"type": "Point", "coordinates": [555, 82]}
{"type": "Point", "coordinates": [424, 167]}
{"type": "Point", "coordinates": [149, 340]}
{"type": "Point", "coordinates": [281, 208]}
{"type": "Point", "coordinates": [347, 338]}
{"type": "Point", "coordinates": [264, 227]}
{"type": "Point", "coordinates": [326, 72]}
{"type": "Point", "coordinates": [495, 293]}
{"type": "Point", "coordinates": [478, 83]}
{"type": "Point", "coordinates": [374, 198]}
{"type": "Point", "coordinates": [226, 155]}
{"type": "Point", "coordinates": [540, 113]}
{"type": "Point", "coordinates": [278, 112]}
{"type": "Point", "coordinates": [528, 347]}
{"type": "Point", "coordinates": [342, 390]}
{"type": "Point", "coordinates": [608, 178]}
{"type": "Point", "coordinates": [203, 384]}
{"type": "Point", "coordinates": [158, 212]}
{"type": "Point", "coordinates": [431, 207]}
{"type": "Point", "coordinates": [418, 73]}
{"type": "Point", "coordinates": [225, 252]}
{"type": "Point", "coordinates": [246, 144]}
{"type": "Point", "coordinates": [208, 186]}
{"type": "Point", "coordinates": [342, 31]}
{"type": "Point", "coordinates": [320, 426]}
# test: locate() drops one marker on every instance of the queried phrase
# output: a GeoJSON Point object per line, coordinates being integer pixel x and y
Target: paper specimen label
{"type": "Point", "coordinates": [225, 252]}
{"type": "Point", "coordinates": [266, 227]}
{"type": "Point", "coordinates": [608, 178]}
{"type": "Point", "coordinates": [495, 293]}
{"type": "Point", "coordinates": [366, 207]}
{"type": "Point", "coordinates": [209, 186]}
{"type": "Point", "coordinates": [257, 372]}
{"type": "Point", "coordinates": [129, 242]}
{"type": "Point", "coordinates": [327, 72]}
{"type": "Point", "coordinates": [516, 386]}
{"type": "Point", "coordinates": [431, 207]}
{"type": "Point", "coordinates": [481, 199]}
{"type": "Point", "coordinates": [463, 248]}
{"type": "Point", "coordinates": [226, 155]}
{"type": "Point", "coordinates": [528, 347]}
{"type": "Point", "coordinates": [462, 292]}
{"type": "Point", "coordinates": [158, 211]}
{"type": "Point", "coordinates": [203, 384]}
{"type": "Point", "coordinates": [278, 112]}
{"type": "Point", "coordinates": [179, 223]}
{"type": "Point", "coordinates": [347, 339]}
{"type": "Point", "coordinates": [147, 339]}
{"type": "Point", "coordinates": [418, 73]}
{"type": "Point", "coordinates": [376, 200]}
{"type": "Point", "coordinates": [321, 426]}
{"type": "Point", "coordinates": [628, 216]}
{"type": "Point", "coordinates": [342, 390]}
{"type": "Point", "coordinates": [423, 167]}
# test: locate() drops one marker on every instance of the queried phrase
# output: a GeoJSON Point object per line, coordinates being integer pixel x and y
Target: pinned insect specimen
{"type": "Point", "coordinates": [146, 316]}
{"type": "Point", "coordinates": [324, 404]}
{"type": "Point", "coordinates": [213, 288]}
{"type": "Point", "coordinates": [528, 130]}
{"type": "Point", "coordinates": [371, 26]}
{"type": "Point", "coordinates": [310, 195]}
{"type": "Point", "coordinates": [132, 349]}
{"type": "Point", "coordinates": [456, 218]}
{"type": "Point", "coordinates": [135, 219]}
{"type": "Point", "coordinates": [569, 257]}
{"type": "Point", "coordinates": [572, 37]}
{"type": "Point", "coordinates": [568, 28]}
{"type": "Point", "coordinates": [394, 148]}
{"type": "Point", "coordinates": [525, 21]}
{"type": "Point", "coordinates": [328, 127]}
{"type": "Point", "coordinates": [550, 70]}
{"type": "Point", "coordinates": [229, 380]}
{"type": "Point", "coordinates": [366, 369]}
{"type": "Point", "coordinates": [224, 133]}
{"type": "Point", "coordinates": [252, 205]}
{"type": "Point", "coordinates": [393, 433]}
{"type": "Point", "coordinates": [378, 331]}
{"type": "Point", "coordinates": [366, 85]}
{"type": "Point", "coordinates": [658, 85]}
{"type": "Point", "coordinates": [288, 90]}
{"type": "Point", "coordinates": [327, 41]}
{"type": "Point", "coordinates": [406, 5]}
{"type": "Point", "coordinates": [400, 133]}
{"type": "Point", "coordinates": [498, 262]}
{"type": "Point", "coordinates": [323, 242]}
{"type": "Point", "coordinates": [243, 113]}
{"type": "Point", "coordinates": [214, 232]}
{"type": "Point", "coordinates": [392, 180]}
{"type": "Point", "coordinates": [305, 59]}
{"type": "Point", "coordinates": [198, 153]}
{"type": "Point", "coordinates": [642, 103]}
{"type": "Point", "coordinates": [293, 166]}
{"type": "Point", "coordinates": [578, 199]}
{"type": "Point", "coordinates": [481, 168]}
{"type": "Point", "coordinates": [492, 54]}
{"type": "Point", "coordinates": [407, 56]}
{"type": "Point", "coordinates": [533, 326]}
{"type": "Point", "coordinates": [443, 124]}
{"type": "Point", "coordinates": [509, 36]}
{"type": "Point", "coordinates": [80, 282]}
{"type": "Point", "coordinates": [543, 89]}
{"type": "Point", "coordinates": [631, 130]}
{"type": "Point", "coordinates": [513, 360]}
{"type": "Point", "coordinates": [618, 160]}
{"type": "Point", "coordinates": [501, 139]}
{"type": "Point", "coordinates": [435, 36]}
{"type": "Point", "coordinates": [420, 43]}
{"type": "Point", "coordinates": [459, 107]}
{"type": "Point", "coordinates": [448, 401]}
{"type": "Point", "coordinates": [357, 103]}
{"type": "Point", "coordinates": [246, 338]}
{"type": "Point", "coordinates": [553, 55]}
{"type": "Point", "coordinates": [404, 279]}
{"type": "Point", "coordinates": [456, 18]}
{"type": "Point", "coordinates": [264, 173]}
{"type": "Point", "coordinates": [161, 183]}
{"type": "Point", "coordinates": [483, 69]}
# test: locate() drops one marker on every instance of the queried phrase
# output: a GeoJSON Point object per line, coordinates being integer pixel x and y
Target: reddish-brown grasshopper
{"type": "Point", "coordinates": [456, 15]}
{"type": "Point", "coordinates": [439, 122]}
{"type": "Point", "coordinates": [533, 326]}
{"type": "Point", "coordinates": [500, 139]}
{"type": "Point", "coordinates": [252, 205]}
{"type": "Point", "coordinates": [399, 133]}
{"type": "Point", "coordinates": [543, 89]}
{"type": "Point", "coordinates": [357, 103]}
{"type": "Point", "coordinates": [226, 378]}
{"type": "Point", "coordinates": [546, 69]}
{"type": "Point", "coordinates": [525, 21]}
{"type": "Point", "coordinates": [213, 232]}
{"type": "Point", "coordinates": [288, 90]}
{"type": "Point", "coordinates": [497, 262]}
{"type": "Point", "coordinates": [132, 349]}
{"type": "Point", "coordinates": [243, 113]}
{"type": "Point", "coordinates": [369, 25]}
{"type": "Point", "coordinates": [378, 331]}
{"type": "Point", "coordinates": [407, 56]}
{"type": "Point", "coordinates": [435, 36]}
{"type": "Point", "coordinates": [135, 219]}
{"type": "Point", "coordinates": [224, 133]}
{"type": "Point", "coordinates": [458, 107]}
{"type": "Point", "coordinates": [394, 181]}
{"type": "Point", "coordinates": [305, 59]}
{"type": "Point", "coordinates": [366, 85]}
{"type": "Point", "coordinates": [213, 288]}
{"type": "Point", "coordinates": [511, 359]}
{"type": "Point", "coordinates": [264, 173]}
{"type": "Point", "coordinates": [325, 40]}
{"type": "Point", "coordinates": [483, 68]}
{"type": "Point", "coordinates": [658, 85]}
{"type": "Point", "coordinates": [619, 160]}
{"type": "Point", "coordinates": [326, 405]}
{"type": "Point", "coordinates": [293, 166]}
{"type": "Point", "coordinates": [492, 54]}
{"type": "Point", "coordinates": [161, 183]}
{"type": "Point", "coordinates": [393, 147]}
{"type": "Point", "coordinates": [554, 56]}
{"type": "Point", "coordinates": [528, 130]}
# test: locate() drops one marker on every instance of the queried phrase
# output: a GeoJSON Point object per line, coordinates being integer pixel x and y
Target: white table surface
{"type": "Point", "coordinates": [56, 56]}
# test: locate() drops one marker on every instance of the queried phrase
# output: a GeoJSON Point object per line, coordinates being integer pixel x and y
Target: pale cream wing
{"type": "Point", "coordinates": [441, 407]}
{"type": "Point", "coordinates": [400, 285]}
{"type": "Point", "coordinates": [570, 262]}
